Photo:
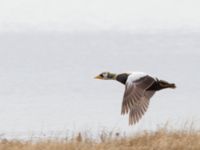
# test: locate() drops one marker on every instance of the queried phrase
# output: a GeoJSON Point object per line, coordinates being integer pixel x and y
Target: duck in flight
{"type": "Point", "coordinates": [139, 88]}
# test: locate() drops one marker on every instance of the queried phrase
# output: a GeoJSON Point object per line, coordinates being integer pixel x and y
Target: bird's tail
{"type": "Point", "coordinates": [164, 84]}
{"type": "Point", "coordinates": [172, 85]}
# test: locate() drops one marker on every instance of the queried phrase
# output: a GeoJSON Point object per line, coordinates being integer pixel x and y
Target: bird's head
{"type": "Point", "coordinates": [106, 76]}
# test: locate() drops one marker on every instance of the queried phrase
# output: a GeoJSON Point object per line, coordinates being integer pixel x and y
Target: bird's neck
{"type": "Point", "coordinates": [122, 77]}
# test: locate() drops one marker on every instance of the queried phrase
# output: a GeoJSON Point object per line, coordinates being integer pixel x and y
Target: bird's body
{"type": "Point", "coordinates": [139, 88]}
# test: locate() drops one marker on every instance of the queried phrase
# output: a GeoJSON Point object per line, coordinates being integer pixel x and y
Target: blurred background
{"type": "Point", "coordinates": [50, 52]}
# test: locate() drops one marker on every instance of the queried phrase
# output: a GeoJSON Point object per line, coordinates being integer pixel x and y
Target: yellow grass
{"type": "Point", "coordinates": [161, 139]}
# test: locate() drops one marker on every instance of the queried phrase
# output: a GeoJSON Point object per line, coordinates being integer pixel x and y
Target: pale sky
{"type": "Point", "coordinates": [98, 14]}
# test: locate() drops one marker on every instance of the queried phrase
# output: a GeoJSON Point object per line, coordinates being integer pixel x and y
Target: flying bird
{"type": "Point", "coordinates": [139, 88]}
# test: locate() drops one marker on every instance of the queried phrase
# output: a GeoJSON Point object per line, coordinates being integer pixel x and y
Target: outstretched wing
{"type": "Point", "coordinates": [136, 98]}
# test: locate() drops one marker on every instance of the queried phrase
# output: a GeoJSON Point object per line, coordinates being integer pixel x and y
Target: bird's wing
{"type": "Point", "coordinates": [136, 98]}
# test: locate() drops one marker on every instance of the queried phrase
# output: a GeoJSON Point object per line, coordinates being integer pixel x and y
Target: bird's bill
{"type": "Point", "coordinates": [98, 77]}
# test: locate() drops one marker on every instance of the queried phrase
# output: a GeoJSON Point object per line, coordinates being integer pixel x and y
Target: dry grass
{"type": "Point", "coordinates": [162, 139]}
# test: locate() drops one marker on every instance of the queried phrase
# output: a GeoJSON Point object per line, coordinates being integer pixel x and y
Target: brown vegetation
{"type": "Point", "coordinates": [159, 140]}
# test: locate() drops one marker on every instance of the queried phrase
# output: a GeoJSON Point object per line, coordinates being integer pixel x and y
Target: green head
{"type": "Point", "coordinates": [106, 76]}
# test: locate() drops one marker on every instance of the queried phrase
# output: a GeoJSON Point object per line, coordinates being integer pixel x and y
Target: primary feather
{"type": "Point", "coordinates": [136, 98]}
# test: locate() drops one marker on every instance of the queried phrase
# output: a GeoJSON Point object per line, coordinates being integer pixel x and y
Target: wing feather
{"type": "Point", "coordinates": [136, 98]}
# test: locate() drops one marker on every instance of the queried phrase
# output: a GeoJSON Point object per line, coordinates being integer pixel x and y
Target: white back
{"type": "Point", "coordinates": [135, 76]}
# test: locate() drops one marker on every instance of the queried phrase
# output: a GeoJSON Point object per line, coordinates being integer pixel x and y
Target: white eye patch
{"type": "Point", "coordinates": [105, 75]}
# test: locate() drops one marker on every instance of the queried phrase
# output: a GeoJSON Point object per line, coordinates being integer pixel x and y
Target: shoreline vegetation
{"type": "Point", "coordinates": [161, 139]}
